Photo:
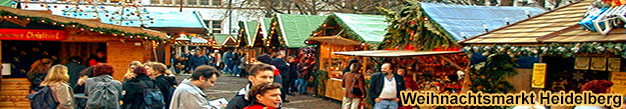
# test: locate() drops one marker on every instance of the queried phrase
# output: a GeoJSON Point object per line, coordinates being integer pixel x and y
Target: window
{"type": "Point", "coordinates": [216, 3]}
{"type": "Point", "coordinates": [204, 2]}
{"type": "Point", "coordinates": [155, 1]}
{"type": "Point", "coordinates": [167, 1]}
{"type": "Point", "coordinates": [215, 26]}
{"type": "Point", "coordinates": [192, 2]}
{"type": "Point", "coordinates": [217, 31]}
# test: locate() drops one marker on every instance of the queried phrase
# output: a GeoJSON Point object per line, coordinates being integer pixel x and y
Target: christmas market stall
{"type": "Point", "coordinates": [135, 15]}
{"type": "Point", "coordinates": [568, 51]}
{"type": "Point", "coordinates": [289, 32]}
{"type": "Point", "coordinates": [224, 41]}
{"type": "Point", "coordinates": [422, 38]}
{"type": "Point", "coordinates": [248, 33]}
{"type": "Point", "coordinates": [28, 36]}
{"type": "Point", "coordinates": [344, 32]}
{"type": "Point", "coordinates": [258, 36]}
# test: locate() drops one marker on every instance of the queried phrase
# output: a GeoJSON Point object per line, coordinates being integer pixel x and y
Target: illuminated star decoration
{"type": "Point", "coordinates": [578, 76]}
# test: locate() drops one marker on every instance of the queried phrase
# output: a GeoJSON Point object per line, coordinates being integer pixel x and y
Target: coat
{"type": "Point", "coordinates": [64, 95]}
{"type": "Point", "coordinates": [240, 100]}
{"type": "Point", "coordinates": [165, 85]}
{"type": "Point", "coordinates": [348, 79]}
{"type": "Point", "coordinates": [133, 99]}
{"type": "Point", "coordinates": [195, 61]}
{"type": "Point", "coordinates": [258, 107]}
{"type": "Point", "coordinates": [89, 84]}
{"type": "Point", "coordinates": [227, 59]}
{"type": "Point", "coordinates": [189, 96]}
{"type": "Point", "coordinates": [377, 82]}
{"type": "Point", "coordinates": [74, 72]}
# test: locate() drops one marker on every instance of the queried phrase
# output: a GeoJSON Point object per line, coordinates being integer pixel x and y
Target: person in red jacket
{"type": "Point", "coordinates": [100, 57]}
{"type": "Point", "coordinates": [265, 96]}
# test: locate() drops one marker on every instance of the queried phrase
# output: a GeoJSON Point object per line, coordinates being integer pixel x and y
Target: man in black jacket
{"type": "Point", "coordinates": [385, 88]}
{"type": "Point", "coordinates": [259, 73]}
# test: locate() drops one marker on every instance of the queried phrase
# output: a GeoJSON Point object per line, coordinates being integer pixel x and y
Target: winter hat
{"type": "Point", "coordinates": [264, 58]}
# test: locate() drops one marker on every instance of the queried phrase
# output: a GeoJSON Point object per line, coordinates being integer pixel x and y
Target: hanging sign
{"type": "Point", "coordinates": [614, 64]}
{"type": "Point", "coordinates": [598, 63]}
{"type": "Point", "coordinates": [32, 34]}
{"type": "Point", "coordinates": [619, 82]}
{"type": "Point", "coordinates": [539, 75]}
{"type": "Point", "coordinates": [582, 63]}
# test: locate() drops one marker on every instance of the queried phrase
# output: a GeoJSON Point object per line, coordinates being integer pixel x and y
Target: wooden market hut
{"type": "Point", "coordinates": [289, 32]}
{"type": "Point", "coordinates": [345, 32]}
{"type": "Point", "coordinates": [248, 30]}
{"type": "Point", "coordinates": [426, 45]}
{"type": "Point", "coordinates": [248, 33]}
{"type": "Point", "coordinates": [27, 36]}
{"type": "Point", "coordinates": [190, 25]}
{"type": "Point", "coordinates": [174, 23]}
{"type": "Point", "coordinates": [223, 41]}
{"type": "Point", "coordinates": [257, 35]}
{"type": "Point", "coordinates": [573, 55]}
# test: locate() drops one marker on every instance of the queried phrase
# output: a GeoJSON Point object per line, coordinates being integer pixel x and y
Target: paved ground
{"type": "Point", "coordinates": [227, 87]}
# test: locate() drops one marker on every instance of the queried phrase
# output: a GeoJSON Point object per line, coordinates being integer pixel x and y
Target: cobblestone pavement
{"type": "Point", "coordinates": [227, 86]}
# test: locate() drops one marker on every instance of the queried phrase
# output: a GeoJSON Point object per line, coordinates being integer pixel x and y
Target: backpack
{"type": "Point", "coordinates": [152, 96]}
{"type": "Point", "coordinates": [43, 99]}
{"type": "Point", "coordinates": [105, 96]}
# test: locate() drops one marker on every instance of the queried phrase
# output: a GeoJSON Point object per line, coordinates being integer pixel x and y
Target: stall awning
{"type": "Point", "coordinates": [295, 29]}
{"type": "Point", "coordinates": [156, 35]}
{"type": "Point", "coordinates": [338, 40]}
{"type": "Point", "coordinates": [199, 40]}
{"type": "Point", "coordinates": [394, 53]}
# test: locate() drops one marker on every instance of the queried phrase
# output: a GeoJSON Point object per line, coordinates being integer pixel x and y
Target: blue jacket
{"type": "Point", "coordinates": [228, 56]}
{"type": "Point", "coordinates": [195, 61]}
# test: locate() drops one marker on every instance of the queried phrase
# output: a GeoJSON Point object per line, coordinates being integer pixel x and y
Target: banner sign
{"type": "Point", "coordinates": [32, 34]}
{"type": "Point", "coordinates": [598, 63]}
{"type": "Point", "coordinates": [619, 82]}
{"type": "Point", "coordinates": [539, 75]}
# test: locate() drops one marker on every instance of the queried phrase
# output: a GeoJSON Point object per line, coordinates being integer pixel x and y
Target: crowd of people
{"type": "Point", "coordinates": [290, 73]}
{"type": "Point", "coordinates": [145, 86]}
{"type": "Point", "coordinates": [231, 61]}
{"type": "Point", "coordinates": [384, 88]}
{"type": "Point", "coordinates": [151, 85]}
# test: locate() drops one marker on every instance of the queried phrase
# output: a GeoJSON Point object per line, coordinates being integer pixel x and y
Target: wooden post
{"type": "Point", "coordinates": [364, 63]}
{"type": "Point", "coordinates": [168, 54]}
{"type": "Point", "coordinates": [1, 62]}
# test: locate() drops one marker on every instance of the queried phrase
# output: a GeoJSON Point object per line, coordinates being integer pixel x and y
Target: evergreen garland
{"type": "Point", "coordinates": [489, 76]}
{"type": "Point", "coordinates": [276, 30]}
{"type": "Point", "coordinates": [321, 77]}
{"type": "Point", "coordinates": [114, 32]}
{"type": "Point", "coordinates": [553, 49]}
{"type": "Point", "coordinates": [412, 25]}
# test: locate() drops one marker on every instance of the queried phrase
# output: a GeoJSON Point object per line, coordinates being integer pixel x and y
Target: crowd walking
{"type": "Point", "coordinates": [152, 85]}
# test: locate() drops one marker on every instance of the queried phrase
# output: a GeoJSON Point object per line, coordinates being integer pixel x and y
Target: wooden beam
{"type": "Point", "coordinates": [451, 63]}
{"type": "Point", "coordinates": [22, 23]}
{"type": "Point", "coordinates": [556, 33]}
{"type": "Point", "coordinates": [168, 54]}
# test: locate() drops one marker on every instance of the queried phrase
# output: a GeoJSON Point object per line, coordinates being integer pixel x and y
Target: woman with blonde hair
{"type": "Point", "coordinates": [57, 79]}
{"type": "Point", "coordinates": [162, 78]}
{"type": "Point", "coordinates": [131, 67]}
{"type": "Point", "coordinates": [37, 73]}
